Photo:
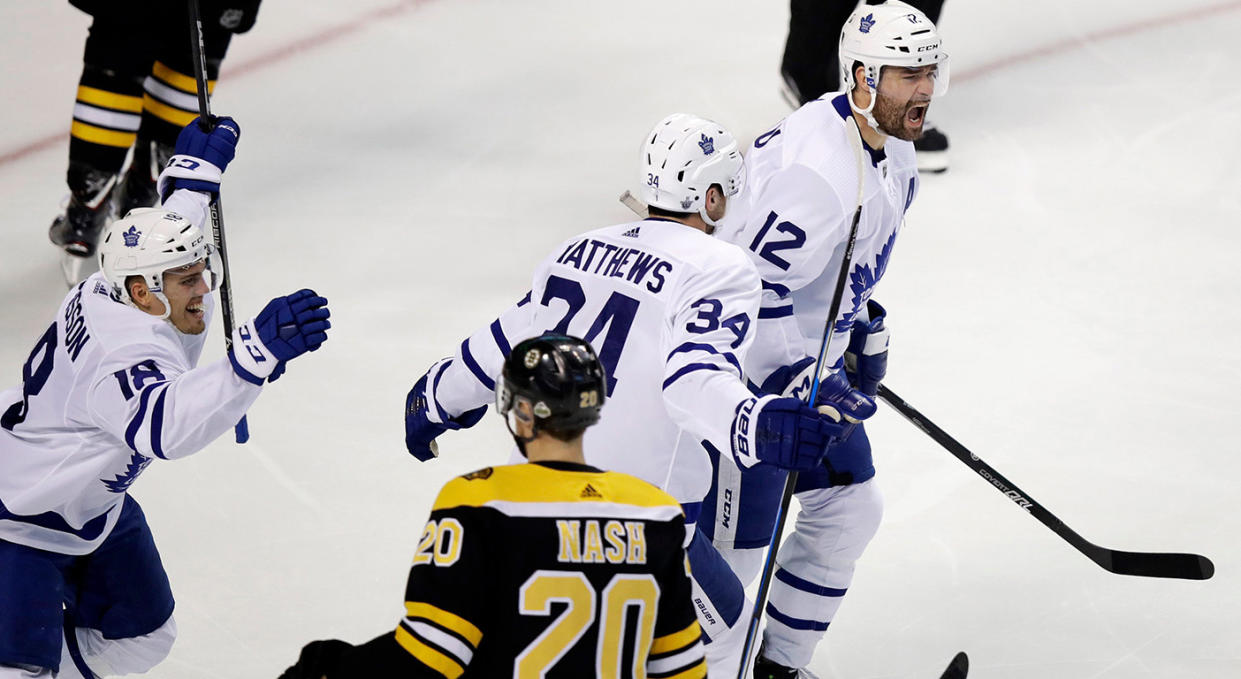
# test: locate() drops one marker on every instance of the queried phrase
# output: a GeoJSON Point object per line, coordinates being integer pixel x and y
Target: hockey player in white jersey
{"type": "Point", "coordinates": [670, 311]}
{"type": "Point", "coordinates": [794, 220]}
{"type": "Point", "coordinates": [110, 386]}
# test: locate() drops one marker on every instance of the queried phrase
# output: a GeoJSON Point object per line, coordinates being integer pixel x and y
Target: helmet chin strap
{"type": "Point", "coordinates": [702, 212]}
{"type": "Point", "coordinates": [867, 112]}
{"type": "Point", "coordinates": [159, 294]}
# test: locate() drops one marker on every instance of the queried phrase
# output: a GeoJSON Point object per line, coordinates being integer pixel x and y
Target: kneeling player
{"type": "Point", "coordinates": [547, 569]}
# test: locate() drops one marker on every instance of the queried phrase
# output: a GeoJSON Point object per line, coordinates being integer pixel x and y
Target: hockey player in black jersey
{"type": "Point", "coordinates": [137, 90]}
{"type": "Point", "coordinates": [548, 569]}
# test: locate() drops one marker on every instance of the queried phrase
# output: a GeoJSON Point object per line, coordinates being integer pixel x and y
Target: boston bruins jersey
{"type": "Point", "coordinates": [551, 569]}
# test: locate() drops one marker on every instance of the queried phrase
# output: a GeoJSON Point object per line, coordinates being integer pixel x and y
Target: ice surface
{"type": "Point", "coordinates": [1062, 301]}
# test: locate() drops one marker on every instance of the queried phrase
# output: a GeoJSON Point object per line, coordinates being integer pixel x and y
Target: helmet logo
{"type": "Point", "coordinates": [866, 23]}
{"type": "Point", "coordinates": [541, 410]}
{"type": "Point", "coordinates": [531, 360]}
{"type": "Point", "coordinates": [707, 144]}
{"type": "Point", "coordinates": [687, 202]}
{"type": "Point", "coordinates": [131, 237]}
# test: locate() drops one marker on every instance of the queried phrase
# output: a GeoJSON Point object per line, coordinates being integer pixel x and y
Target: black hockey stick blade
{"type": "Point", "coordinates": [1143, 564]}
{"type": "Point", "coordinates": [1183, 566]}
{"type": "Point", "coordinates": [959, 668]}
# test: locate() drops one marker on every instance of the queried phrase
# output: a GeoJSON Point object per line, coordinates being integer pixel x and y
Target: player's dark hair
{"type": "Point", "coordinates": [660, 212]}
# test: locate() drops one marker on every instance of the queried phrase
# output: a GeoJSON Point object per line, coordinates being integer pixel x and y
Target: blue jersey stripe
{"type": "Point", "coordinates": [685, 370]}
{"type": "Point", "coordinates": [131, 432]}
{"type": "Point", "coordinates": [807, 586]}
{"type": "Point", "coordinates": [698, 346]}
{"type": "Point", "coordinates": [497, 332]}
{"type": "Point", "coordinates": [157, 425]}
{"type": "Point", "coordinates": [795, 623]}
{"type": "Point", "coordinates": [775, 312]}
{"type": "Point", "coordinates": [475, 367]}
{"type": "Point", "coordinates": [53, 521]}
{"type": "Point", "coordinates": [780, 290]}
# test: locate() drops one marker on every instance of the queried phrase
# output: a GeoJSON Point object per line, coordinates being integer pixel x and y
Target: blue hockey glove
{"type": "Point", "coordinates": [784, 432]}
{"type": "Point", "coordinates": [835, 393]}
{"type": "Point", "coordinates": [285, 329]}
{"type": "Point", "coordinates": [849, 461]}
{"type": "Point", "coordinates": [420, 431]}
{"type": "Point", "coordinates": [200, 158]}
{"type": "Point", "coordinates": [866, 359]}
{"type": "Point", "coordinates": [836, 397]}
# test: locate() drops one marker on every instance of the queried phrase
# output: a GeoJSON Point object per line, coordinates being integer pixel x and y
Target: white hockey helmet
{"type": "Point", "coordinates": [681, 158]}
{"type": "Point", "coordinates": [890, 34]}
{"type": "Point", "coordinates": [149, 241]}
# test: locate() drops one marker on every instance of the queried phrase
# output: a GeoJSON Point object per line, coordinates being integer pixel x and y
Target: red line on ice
{"type": "Point", "coordinates": [339, 31]}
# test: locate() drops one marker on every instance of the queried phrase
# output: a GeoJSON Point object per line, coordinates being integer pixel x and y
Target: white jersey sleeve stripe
{"type": "Point", "coordinates": [678, 661]}
{"type": "Point", "coordinates": [440, 639]}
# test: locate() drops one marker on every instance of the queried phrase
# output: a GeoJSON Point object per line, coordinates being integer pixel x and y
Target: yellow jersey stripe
{"type": "Point", "coordinates": [697, 671]}
{"type": "Point", "coordinates": [185, 83]}
{"type": "Point", "coordinates": [430, 657]}
{"type": "Point", "coordinates": [535, 484]}
{"type": "Point", "coordinates": [677, 640]}
{"type": "Point", "coordinates": [109, 100]}
{"type": "Point", "coordinates": [172, 114]}
{"type": "Point", "coordinates": [98, 135]}
{"type": "Point", "coordinates": [449, 621]}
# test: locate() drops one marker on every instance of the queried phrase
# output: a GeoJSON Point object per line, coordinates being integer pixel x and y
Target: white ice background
{"type": "Point", "coordinates": [1062, 301]}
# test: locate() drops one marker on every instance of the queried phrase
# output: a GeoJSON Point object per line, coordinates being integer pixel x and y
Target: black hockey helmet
{"type": "Point", "coordinates": [561, 380]}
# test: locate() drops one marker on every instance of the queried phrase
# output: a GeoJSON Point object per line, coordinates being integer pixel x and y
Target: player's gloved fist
{"type": "Point", "coordinates": [866, 359]}
{"type": "Point", "coordinates": [318, 659]}
{"type": "Point", "coordinates": [838, 399]}
{"type": "Point", "coordinates": [200, 157]}
{"type": "Point", "coordinates": [784, 432]}
{"type": "Point", "coordinates": [420, 430]}
{"type": "Point", "coordinates": [285, 329]}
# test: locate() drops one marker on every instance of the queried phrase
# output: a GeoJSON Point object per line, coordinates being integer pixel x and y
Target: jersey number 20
{"type": "Point", "coordinates": [623, 591]}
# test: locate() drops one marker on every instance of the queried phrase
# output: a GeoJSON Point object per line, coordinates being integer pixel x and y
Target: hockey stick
{"type": "Point", "coordinates": [242, 429]}
{"type": "Point", "coordinates": [855, 141]}
{"type": "Point", "coordinates": [1145, 564]}
{"type": "Point", "coordinates": [959, 668]}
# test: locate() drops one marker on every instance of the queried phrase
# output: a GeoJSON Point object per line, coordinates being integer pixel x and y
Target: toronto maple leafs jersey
{"type": "Point", "coordinates": [551, 569]}
{"type": "Point", "coordinates": [106, 389]}
{"type": "Point", "coordinates": [669, 310]}
{"type": "Point", "coordinates": [793, 218]}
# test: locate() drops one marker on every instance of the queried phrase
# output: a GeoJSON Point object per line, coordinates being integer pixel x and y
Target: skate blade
{"type": "Point", "coordinates": [76, 269]}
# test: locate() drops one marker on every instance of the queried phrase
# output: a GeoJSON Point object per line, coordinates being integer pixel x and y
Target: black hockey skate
{"type": "Point", "coordinates": [78, 228]}
{"type": "Point", "coordinates": [932, 150]}
{"type": "Point", "coordinates": [139, 187]}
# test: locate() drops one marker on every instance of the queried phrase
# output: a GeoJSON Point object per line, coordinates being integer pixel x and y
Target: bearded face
{"type": "Point", "coordinates": [902, 100]}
